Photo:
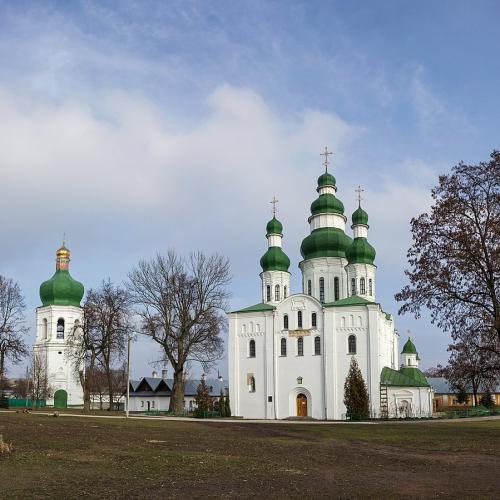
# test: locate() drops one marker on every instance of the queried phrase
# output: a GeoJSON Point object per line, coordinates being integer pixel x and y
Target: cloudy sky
{"type": "Point", "coordinates": [135, 127]}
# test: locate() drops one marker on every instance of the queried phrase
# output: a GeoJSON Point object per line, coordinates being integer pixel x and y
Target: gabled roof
{"type": "Point", "coordinates": [405, 377]}
{"type": "Point", "coordinates": [150, 386]}
{"type": "Point", "coordinates": [257, 308]}
{"type": "Point", "coordinates": [354, 300]}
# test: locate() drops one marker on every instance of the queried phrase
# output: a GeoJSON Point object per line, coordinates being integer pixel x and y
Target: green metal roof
{"type": "Point", "coordinates": [274, 226]}
{"type": "Point", "coordinates": [360, 252]}
{"type": "Point", "coordinates": [275, 260]}
{"type": "Point", "coordinates": [327, 204]}
{"type": "Point", "coordinates": [257, 308]}
{"type": "Point", "coordinates": [405, 377]}
{"type": "Point", "coordinates": [409, 348]}
{"type": "Point", "coordinates": [325, 242]}
{"type": "Point", "coordinates": [359, 217]}
{"type": "Point", "coordinates": [354, 300]}
{"type": "Point", "coordinates": [326, 179]}
{"type": "Point", "coordinates": [61, 290]}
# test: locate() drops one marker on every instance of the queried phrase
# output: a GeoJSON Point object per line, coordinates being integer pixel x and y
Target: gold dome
{"type": "Point", "coordinates": [63, 253]}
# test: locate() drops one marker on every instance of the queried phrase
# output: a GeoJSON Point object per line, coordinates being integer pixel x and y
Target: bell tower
{"type": "Point", "coordinates": [57, 317]}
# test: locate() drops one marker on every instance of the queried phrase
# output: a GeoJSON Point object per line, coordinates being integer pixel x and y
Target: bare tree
{"type": "Point", "coordinates": [39, 387]}
{"type": "Point", "coordinates": [101, 338]}
{"type": "Point", "coordinates": [12, 326]}
{"type": "Point", "coordinates": [181, 303]}
{"type": "Point", "coordinates": [455, 256]}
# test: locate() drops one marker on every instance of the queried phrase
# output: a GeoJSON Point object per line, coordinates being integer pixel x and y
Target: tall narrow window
{"type": "Point", "coordinates": [353, 286]}
{"type": "Point", "coordinates": [370, 287]}
{"type": "Point", "coordinates": [317, 345]}
{"type": "Point", "coordinates": [300, 346]}
{"type": "Point", "coordinates": [352, 344]}
{"type": "Point", "coordinates": [44, 329]}
{"type": "Point", "coordinates": [309, 287]}
{"type": "Point", "coordinates": [299, 319]}
{"type": "Point", "coordinates": [268, 293]}
{"type": "Point", "coordinates": [277, 293]}
{"type": "Point", "coordinates": [362, 286]}
{"type": "Point", "coordinates": [283, 347]}
{"type": "Point", "coordinates": [60, 328]}
{"type": "Point", "coordinates": [251, 385]}
{"type": "Point", "coordinates": [336, 288]}
{"type": "Point", "coordinates": [251, 348]}
{"type": "Point", "coordinates": [285, 292]}
{"type": "Point", "coordinates": [314, 322]}
{"type": "Point", "coordinates": [285, 322]}
{"type": "Point", "coordinates": [322, 289]}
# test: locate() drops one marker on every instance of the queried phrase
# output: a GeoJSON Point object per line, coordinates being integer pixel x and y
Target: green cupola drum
{"type": "Point", "coordinates": [61, 289]}
{"type": "Point", "coordinates": [275, 263]}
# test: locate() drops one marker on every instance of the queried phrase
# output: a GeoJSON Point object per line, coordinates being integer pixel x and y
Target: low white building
{"type": "Point", "coordinates": [153, 393]}
{"type": "Point", "coordinates": [289, 355]}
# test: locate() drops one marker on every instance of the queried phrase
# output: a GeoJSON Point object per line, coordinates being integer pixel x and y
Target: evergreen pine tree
{"type": "Point", "coordinates": [202, 398]}
{"type": "Point", "coordinates": [222, 405]}
{"type": "Point", "coordinates": [355, 393]}
{"type": "Point", "coordinates": [227, 411]}
{"type": "Point", "coordinates": [487, 399]}
{"type": "Point", "coordinates": [462, 396]}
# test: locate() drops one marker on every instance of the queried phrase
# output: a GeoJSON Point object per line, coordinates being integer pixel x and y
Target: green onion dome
{"type": "Point", "coordinates": [274, 226]}
{"type": "Point", "coordinates": [360, 252]}
{"type": "Point", "coordinates": [327, 203]}
{"type": "Point", "coordinates": [61, 290]}
{"type": "Point", "coordinates": [409, 348]}
{"type": "Point", "coordinates": [325, 242]}
{"type": "Point", "coordinates": [359, 217]}
{"type": "Point", "coordinates": [275, 260]}
{"type": "Point", "coordinates": [326, 179]}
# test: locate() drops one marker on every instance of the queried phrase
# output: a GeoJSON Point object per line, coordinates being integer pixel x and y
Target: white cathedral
{"type": "Point", "coordinates": [289, 355]}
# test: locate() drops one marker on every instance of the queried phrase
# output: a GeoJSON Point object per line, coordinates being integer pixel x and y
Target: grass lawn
{"type": "Point", "coordinates": [70, 457]}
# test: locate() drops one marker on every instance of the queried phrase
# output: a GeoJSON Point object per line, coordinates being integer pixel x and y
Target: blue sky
{"type": "Point", "coordinates": [139, 126]}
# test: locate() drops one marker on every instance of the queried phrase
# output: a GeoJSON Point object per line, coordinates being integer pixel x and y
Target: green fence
{"type": "Point", "coordinates": [27, 403]}
{"type": "Point", "coordinates": [473, 411]}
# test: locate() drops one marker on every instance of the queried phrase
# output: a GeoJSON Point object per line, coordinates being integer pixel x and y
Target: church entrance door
{"type": "Point", "coordinates": [301, 405]}
{"type": "Point", "coordinates": [61, 399]}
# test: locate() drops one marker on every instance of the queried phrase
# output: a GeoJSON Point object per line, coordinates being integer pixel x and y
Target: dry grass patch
{"type": "Point", "coordinates": [5, 448]}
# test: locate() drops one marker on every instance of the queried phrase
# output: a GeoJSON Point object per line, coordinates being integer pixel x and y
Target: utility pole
{"type": "Point", "coordinates": [128, 376]}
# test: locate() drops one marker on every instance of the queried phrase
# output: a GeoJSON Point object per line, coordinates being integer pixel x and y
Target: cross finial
{"type": "Point", "coordinates": [410, 336]}
{"type": "Point", "coordinates": [325, 154]}
{"type": "Point", "coordinates": [360, 192]}
{"type": "Point", "coordinates": [64, 240]}
{"type": "Point", "coordinates": [273, 202]}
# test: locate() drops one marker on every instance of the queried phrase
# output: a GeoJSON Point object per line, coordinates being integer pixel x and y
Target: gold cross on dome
{"type": "Point", "coordinates": [360, 191]}
{"type": "Point", "coordinates": [273, 202]}
{"type": "Point", "coordinates": [325, 154]}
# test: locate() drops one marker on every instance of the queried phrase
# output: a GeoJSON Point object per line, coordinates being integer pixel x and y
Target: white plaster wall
{"type": "Point", "coordinates": [60, 365]}
{"type": "Point", "coordinates": [358, 271]}
{"type": "Point", "coordinates": [418, 398]}
{"type": "Point", "coordinates": [273, 278]}
{"type": "Point", "coordinates": [327, 220]}
{"type": "Point", "coordinates": [327, 268]}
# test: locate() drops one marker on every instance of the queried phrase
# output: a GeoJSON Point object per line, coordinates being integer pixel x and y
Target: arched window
{"type": "Point", "coordinates": [370, 287]}
{"type": "Point", "coordinates": [314, 321]}
{"type": "Point", "coordinates": [322, 289]}
{"type": "Point", "coordinates": [285, 322]}
{"type": "Point", "coordinates": [336, 288]}
{"type": "Point", "coordinates": [268, 293]}
{"type": "Point", "coordinates": [283, 346]}
{"type": "Point", "coordinates": [352, 344]}
{"type": "Point", "coordinates": [285, 292]}
{"type": "Point", "coordinates": [277, 293]}
{"type": "Point", "coordinates": [317, 345]}
{"type": "Point", "coordinates": [299, 319]}
{"type": "Point", "coordinates": [353, 286]}
{"type": "Point", "coordinates": [60, 328]}
{"type": "Point", "coordinates": [309, 287]}
{"type": "Point", "coordinates": [251, 348]}
{"type": "Point", "coordinates": [342, 321]}
{"type": "Point", "coordinates": [44, 329]}
{"type": "Point", "coordinates": [362, 287]}
{"type": "Point", "coordinates": [251, 385]}
{"type": "Point", "coordinates": [360, 321]}
{"type": "Point", "coordinates": [243, 328]}
{"type": "Point", "coordinates": [250, 327]}
{"type": "Point", "coordinates": [300, 346]}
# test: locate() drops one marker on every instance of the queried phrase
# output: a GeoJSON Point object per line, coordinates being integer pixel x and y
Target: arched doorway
{"type": "Point", "coordinates": [61, 399]}
{"type": "Point", "coordinates": [301, 405]}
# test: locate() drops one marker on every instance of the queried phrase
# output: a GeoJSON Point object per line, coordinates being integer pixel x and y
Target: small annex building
{"type": "Point", "coordinates": [153, 393]}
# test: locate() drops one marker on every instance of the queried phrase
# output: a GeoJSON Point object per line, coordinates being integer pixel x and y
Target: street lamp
{"type": "Point", "coordinates": [128, 376]}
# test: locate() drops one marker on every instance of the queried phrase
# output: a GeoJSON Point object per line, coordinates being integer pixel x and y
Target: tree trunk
{"type": "Point", "coordinates": [177, 398]}
{"type": "Point", "coordinates": [110, 388]}
{"type": "Point", "coordinates": [2, 362]}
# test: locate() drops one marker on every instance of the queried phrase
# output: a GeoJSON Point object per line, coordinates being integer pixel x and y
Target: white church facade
{"type": "Point", "coordinates": [289, 355]}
